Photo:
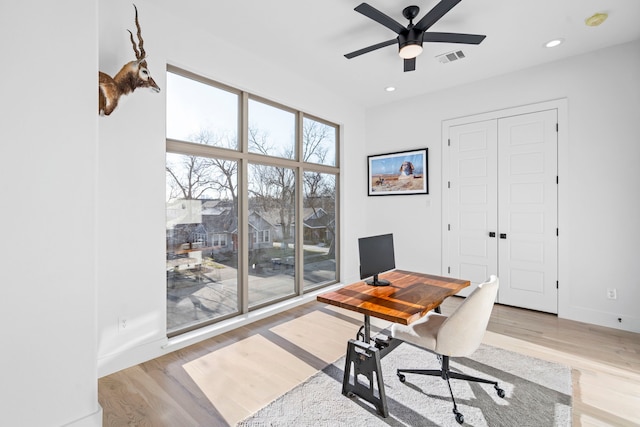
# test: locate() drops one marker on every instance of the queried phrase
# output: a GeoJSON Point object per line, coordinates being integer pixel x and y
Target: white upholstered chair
{"type": "Point", "coordinates": [457, 335]}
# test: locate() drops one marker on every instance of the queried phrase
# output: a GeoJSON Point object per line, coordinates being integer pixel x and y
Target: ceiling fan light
{"type": "Point", "coordinates": [410, 51]}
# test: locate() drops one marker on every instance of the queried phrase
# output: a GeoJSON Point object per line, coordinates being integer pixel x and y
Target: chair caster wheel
{"type": "Point", "coordinates": [500, 392]}
{"type": "Point", "coordinates": [402, 378]}
{"type": "Point", "coordinates": [459, 417]}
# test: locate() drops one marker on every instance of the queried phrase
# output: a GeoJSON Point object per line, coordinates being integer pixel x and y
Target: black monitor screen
{"type": "Point", "coordinates": [376, 256]}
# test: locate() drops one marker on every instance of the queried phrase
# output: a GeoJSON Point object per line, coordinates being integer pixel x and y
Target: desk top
{"type": "Point", "coordinates": [409, 296]}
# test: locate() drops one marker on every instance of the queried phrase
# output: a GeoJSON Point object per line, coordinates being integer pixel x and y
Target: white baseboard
{"type": "Point", "coordinates": [601, 318]}
{"type": "Point", "coordinates": [114, 362]}
{"type": "Point", "coordinates": [91, 420]}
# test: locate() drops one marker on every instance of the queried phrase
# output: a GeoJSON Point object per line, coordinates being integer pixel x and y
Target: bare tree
{"type": "Point", "coordinates": [319, 195]}
{"type": "Point", "coordinates": [259, 141]}
{"type": "Point", "coordinates": [190, 178]}
{"type": "Point", "coordinates": [314, 134]}
{"type": "Point", "coordinates": [194, 176]}
{"type": "Point", "coordinates": [319, 188]}
{"type": "Point", "coordinates": [273, 188]}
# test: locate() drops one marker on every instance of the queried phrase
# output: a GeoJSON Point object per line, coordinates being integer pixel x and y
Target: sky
{"type": "Point", "coordinates": [193, 106]}
{"type": "Point", "coordinates": [390, 163]}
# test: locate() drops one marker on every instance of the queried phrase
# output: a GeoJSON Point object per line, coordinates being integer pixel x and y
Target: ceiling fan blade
{"type": "Point", "coordinates": [435, 14]}
{"type": "Point", "coordinates": [409, 64]}
{"type": "Point", "coordinates": [370, 48]}
{"type": "Point", "coordinates": [379, 17]}
{"type": "Point", "coordinates": [453, 38]}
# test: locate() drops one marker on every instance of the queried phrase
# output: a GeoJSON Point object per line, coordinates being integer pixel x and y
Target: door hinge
{"type": "Point", "coordinates": [557, 127]}
{"type": "Point", "coordinates": [557, 180]}
{"type": "Point", "coordinates": [448, 270]}
{"type": "Point", "coordinates": [448, 184]}
{"type": "Point", "coordinates": [557, 285]}
{"type": "Point", "coordinates": [449, 142]}
{"type": "Point", "coordinates": [557, 232]}
{"type": "Point", "coordinates": [448, 227]}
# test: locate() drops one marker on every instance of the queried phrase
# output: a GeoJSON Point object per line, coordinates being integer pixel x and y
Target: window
{"type": "Point", "coordinates": [201, 113]}
{"type": "Point", "coordinates": [319, 142]}
{"type": "Point", "coordinates": [319, 221]}
{"type": "Point", "coordinates": [261, 236]}
{"type": "Point", "coordinates": [202, 271]}
{"type": "Point", "coordinates": [219, 240]}
{"type": "Point", "coordinates": [235, 245]}
{"type": "Point", "coordinates": [271, 130]}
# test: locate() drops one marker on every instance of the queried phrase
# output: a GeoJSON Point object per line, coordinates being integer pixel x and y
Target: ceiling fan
{"type": "Point", "coordinates": [411, 37]}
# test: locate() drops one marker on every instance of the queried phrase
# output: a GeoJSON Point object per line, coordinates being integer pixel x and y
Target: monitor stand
{"type": "Point", "coordinates": [375, 282]}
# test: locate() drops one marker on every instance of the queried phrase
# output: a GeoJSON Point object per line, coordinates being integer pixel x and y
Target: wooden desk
{"type": "Point", "coordinates": [409, 297]}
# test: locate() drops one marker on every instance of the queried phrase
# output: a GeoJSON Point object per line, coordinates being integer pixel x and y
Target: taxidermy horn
{"type": "Point", "coordinates": [131, 76]}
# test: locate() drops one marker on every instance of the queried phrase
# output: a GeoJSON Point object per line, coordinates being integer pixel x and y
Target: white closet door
{"type": "Point", "coordinates": [528, 211]}
{"type": "Point", "coordinates": [472, 194]}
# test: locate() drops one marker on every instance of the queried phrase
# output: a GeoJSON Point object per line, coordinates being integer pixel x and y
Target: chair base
{"type": "Point", "coordinates": [446, 374]}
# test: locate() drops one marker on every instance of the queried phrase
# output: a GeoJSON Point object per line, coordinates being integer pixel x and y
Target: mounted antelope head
{"type": "Point", "coordinates": [132, 76]}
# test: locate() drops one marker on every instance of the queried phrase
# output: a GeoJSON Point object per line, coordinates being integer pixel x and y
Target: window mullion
{"type": "Point", "coordinates": [299, 253]}
{"type": "Point", "coordinates": [243, 221]}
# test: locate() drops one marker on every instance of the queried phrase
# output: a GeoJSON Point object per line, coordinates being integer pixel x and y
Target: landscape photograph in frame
{"type": "Point", "coordinates": [398, 173]}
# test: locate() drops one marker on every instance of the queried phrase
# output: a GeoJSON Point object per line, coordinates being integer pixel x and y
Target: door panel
{"type": "Point", "coordinates": [472, 202]}
{"type": "Point", "coordinates": [528, 210]}
{"type": "Point", "coordinates": [500, 176]}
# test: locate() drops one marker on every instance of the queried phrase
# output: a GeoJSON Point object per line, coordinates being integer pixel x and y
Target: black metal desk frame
{"type": "Point", "coordinates": [364, 355]}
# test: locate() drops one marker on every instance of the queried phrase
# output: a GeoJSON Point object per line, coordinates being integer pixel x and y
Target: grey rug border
{"type": "Point", "coordinates": [335, 371]}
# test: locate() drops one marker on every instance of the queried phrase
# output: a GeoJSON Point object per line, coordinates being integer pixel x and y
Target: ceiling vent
{"type": "Point", "coordinates": [450, 57]}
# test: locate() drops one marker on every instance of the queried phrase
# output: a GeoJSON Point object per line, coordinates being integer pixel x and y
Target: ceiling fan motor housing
{"type": "Point", "coordinates": [408, 37]}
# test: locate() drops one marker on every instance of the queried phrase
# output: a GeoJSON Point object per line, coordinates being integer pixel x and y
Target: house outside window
{"type": "Point", "coordinates": [219, 240]}
{"type": "Point", "coordinates": [237, 244]}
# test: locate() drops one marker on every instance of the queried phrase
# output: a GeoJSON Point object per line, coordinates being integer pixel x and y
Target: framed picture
{"type": "Point", "coordinates": [399, 173]}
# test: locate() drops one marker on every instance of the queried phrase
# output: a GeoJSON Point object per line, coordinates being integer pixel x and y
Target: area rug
{"type": "Point", "coordinates": [538, 393]}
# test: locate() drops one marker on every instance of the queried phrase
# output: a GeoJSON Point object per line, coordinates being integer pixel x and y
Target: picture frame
{"type": "Point", "coordinates": [400, 173]}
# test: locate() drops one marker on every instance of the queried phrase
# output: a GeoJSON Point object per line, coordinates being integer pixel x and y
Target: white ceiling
{"type": "Point", "coordinates": [310, 37]}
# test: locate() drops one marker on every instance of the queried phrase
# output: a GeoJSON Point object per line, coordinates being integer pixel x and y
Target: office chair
{"type": "Point", "coordinates": [457, 335]}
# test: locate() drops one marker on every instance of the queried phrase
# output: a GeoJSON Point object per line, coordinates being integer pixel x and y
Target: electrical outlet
{"type": "Point", "coordinates": [123, 323]}
{"type": "Point", "coordinates": [611, 293]}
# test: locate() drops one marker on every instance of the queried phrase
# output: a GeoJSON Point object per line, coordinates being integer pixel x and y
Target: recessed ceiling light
{"type": "Point", "coordinates": [553, 43]}
{"type": "Point", "coordinates": [389, 88]}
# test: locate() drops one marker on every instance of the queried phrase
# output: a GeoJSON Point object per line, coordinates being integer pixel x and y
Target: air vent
{"type": "Point", "coordinates": [451, 56]}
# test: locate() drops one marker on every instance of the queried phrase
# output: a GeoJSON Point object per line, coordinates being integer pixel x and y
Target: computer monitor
{"type": "Point", "coordinates": [376, 256]}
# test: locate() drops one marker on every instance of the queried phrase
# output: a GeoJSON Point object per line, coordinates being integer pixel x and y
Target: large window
{"type": "Point", "coordinates": [251, 202]}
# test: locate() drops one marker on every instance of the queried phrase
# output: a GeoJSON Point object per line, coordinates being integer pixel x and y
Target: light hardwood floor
{"type": "Point", "coordinates": [224, 379]}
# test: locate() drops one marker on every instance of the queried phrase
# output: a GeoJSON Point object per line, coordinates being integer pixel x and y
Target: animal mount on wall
{"type": "Point", "coordinates": [133, 75]}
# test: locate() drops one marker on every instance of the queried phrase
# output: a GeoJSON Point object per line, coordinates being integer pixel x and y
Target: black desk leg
{"type": "Point", "coordinates": [365, 359]}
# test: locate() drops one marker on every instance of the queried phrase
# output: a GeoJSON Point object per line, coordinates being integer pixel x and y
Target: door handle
{"type": "Point", "coordinates": [492, 234]}
{"type": "Point", "coordinates": [503, 235]}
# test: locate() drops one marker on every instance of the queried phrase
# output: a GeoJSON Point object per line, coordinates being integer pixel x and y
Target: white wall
{"type": "Point", "coordinates": [131, 227]}
{"type": "Point", "coordinates": [82, 200]}
{"type": "Point", "coordinates": [48, 147]}
{"type": "Point", "coordinates": [131, 181]}
{"type": "Point", "coordinates": [599, 193]}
